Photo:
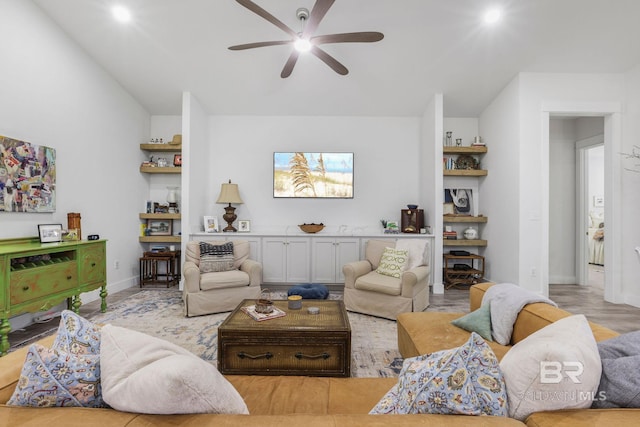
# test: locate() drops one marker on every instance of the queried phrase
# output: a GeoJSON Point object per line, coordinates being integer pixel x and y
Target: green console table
{"type": "Point", "coordinates": [36, 276]}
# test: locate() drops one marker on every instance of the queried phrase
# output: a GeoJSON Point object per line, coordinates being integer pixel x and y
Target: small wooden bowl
{"type": "Point", "coordinates": [311, 228]}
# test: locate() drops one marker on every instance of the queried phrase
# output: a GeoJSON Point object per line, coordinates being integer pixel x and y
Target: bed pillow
{"type": "Point", "coordinates": [478, 321]}
{"type": "Point", "coordinates": [620, 381]}
{"type": "Point", "coordinates": [53, 377]}
{"type": "Point", "coordinates": [556, 367]}
{"type": "Point", "coordinates": [464, 380]}
{"type": "Point", "coordinates": [148, 375]}
{"type": "Point", "coordinates": [393, 262]}
{"type": "Point", "coordinates": [216, 258]}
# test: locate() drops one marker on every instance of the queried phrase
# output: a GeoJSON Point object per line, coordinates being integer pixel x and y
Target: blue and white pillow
{"type": "Point", "coordinates": [216, 258]}
{"type": "Point", "coordinates": [465, 380]}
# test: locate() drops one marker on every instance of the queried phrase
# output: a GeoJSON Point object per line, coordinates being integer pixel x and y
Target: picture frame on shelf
{"type": "Point", "coordinates": [462, 200]}
{"type": "Point", "coordinates": [70, 235]}
{"type": "Point", "coordinates": [210, 224]}
{"type": "Point", "coordinates": [244, 225]}
{"type": "Point", "coordinates": [49, 233]}
{"type": "Point", "coordinates": [177, 160]}
{"type": "Point", "coordinates": [448, 209]}
{"type": "Point", "coordinates": [159, 227]}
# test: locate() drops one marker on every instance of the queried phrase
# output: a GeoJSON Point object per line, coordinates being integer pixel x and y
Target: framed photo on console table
{"type": "Point", "coordinates": [50, 232]}
{"type": "Point", "coordinates": [244, 225]}
{"type": "Point", "coordinates": [210, 224]}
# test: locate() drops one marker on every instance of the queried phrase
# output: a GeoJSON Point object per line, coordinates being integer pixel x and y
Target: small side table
{"type": "Point", "coordinates": [160, 268]}
{"type": "Point", "coordinates": [455, 276]}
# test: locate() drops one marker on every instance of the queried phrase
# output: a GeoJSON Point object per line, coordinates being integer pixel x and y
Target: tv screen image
{"type": "Point", "coordinates": [313, 175]}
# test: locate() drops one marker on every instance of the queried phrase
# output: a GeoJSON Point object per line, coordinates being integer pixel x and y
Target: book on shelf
{"type": "Point", "coordinates": [251, 311]}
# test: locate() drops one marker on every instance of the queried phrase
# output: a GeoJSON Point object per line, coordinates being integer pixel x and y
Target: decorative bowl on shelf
{"type": "Point", "coordinates": [311, 228]}
{"type": "Point", "coordinates": [412, 206]}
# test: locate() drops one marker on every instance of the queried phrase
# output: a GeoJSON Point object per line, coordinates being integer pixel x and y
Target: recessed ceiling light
{"type": "Point", "coordinates": [121, 13]}
{"type": "Point", "coordinates": [492, 16]}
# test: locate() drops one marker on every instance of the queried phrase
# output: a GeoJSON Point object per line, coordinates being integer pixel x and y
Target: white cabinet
{"type": "Point", "coordinates": [255, 251]}
{"type": "Point", "coordinates": [329, 254]}
{"type": "Point", "coordinates": [285, 260]}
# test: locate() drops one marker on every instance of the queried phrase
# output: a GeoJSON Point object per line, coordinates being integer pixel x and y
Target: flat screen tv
{"type": "Point", "coordinates": [313, 175]}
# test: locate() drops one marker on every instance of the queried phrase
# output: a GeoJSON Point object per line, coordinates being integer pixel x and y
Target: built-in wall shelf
{"type": "Point", "coordinates": [465, 172]}
{"type": "Point", "coordinates": [464, 219]}
{"type": "Point", "coordinates": [156, 169]}
{"type": "Point", "coordinates": [159, 216]}
{"type": "Point", "coordinates": [474, 149]}
{"type": "Point", "coordinates": [161, 147]}
{"type": "Point", "coordinates": [160, 239]}
{"type": "Point", "coordinates": [464, 242]}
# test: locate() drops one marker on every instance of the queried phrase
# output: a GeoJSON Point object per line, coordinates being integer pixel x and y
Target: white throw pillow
{"type": "Point", "coordinates": [144, 374]}
{"type": "Point", "coordinates": [417, 251]}
{"type": "Point", "coordinates": [557, 367]}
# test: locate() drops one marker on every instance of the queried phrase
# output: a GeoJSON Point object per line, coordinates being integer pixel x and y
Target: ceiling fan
{"type": "Point", "coordinates": [306, 40]}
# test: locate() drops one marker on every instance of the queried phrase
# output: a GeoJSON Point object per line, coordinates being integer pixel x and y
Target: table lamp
{"type": "Point", "coordinates": [229, 194]}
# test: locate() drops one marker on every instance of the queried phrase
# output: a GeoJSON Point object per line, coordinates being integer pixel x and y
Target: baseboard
{"type": "Point", "coordinates": [112, 288]}
{"type": "Point", "coordinates": [563, 280]}
{"type": "Point", "coordinates": [633, 300]}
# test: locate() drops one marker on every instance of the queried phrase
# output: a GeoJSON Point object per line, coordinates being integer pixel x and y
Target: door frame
{"type": "Point", "coordinates": [612, 113]}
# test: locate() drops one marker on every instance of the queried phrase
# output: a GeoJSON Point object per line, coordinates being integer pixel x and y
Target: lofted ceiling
{"type": "Point", "coordinates": [429, 46]}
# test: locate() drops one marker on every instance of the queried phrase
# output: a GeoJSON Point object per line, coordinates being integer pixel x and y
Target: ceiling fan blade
{"type": "Point", "coordinates": [330, 61]}
{"type": "Point", "coordinates": [258, 44]}
{"type": "Point", "coordinates": [320, 9]}
{"type": "Point", "coordinates": [361, 37]}
{"type": "Point", "coordinates": [291, 62]}
{"type": "Point", "coordinates": [266, 15]}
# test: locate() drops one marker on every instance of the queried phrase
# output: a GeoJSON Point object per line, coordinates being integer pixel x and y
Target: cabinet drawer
{"type": "Point", "coordinates": [92, 266]}
{"type": "Point", "coordinates": [326, 359]}
{"type": "Point", "coordinates": [38, 282]}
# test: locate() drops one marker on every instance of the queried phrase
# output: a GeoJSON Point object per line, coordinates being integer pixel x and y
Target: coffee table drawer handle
{"type": "Point", "coordinates": [300, 355]}
{"type": "Point", "coordinates": [267, 355]}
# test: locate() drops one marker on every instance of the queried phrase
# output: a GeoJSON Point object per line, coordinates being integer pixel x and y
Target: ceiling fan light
{"type": "Point", "coordinates": [121, 14]}
{"type": "Point", "coordinates": [302, 45]}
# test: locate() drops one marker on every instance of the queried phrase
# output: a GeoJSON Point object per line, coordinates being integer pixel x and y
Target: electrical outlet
{"type": "Point", "coordinates": [116, 264]}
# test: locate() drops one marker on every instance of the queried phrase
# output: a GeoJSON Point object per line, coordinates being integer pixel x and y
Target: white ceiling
{"type": "Point", "coordinates": [430, 46]}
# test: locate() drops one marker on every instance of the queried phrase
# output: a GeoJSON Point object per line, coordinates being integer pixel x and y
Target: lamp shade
{"type": "Point", "coordinates": [229, 194]}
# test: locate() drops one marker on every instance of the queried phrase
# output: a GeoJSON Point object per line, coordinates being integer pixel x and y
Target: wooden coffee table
{"type": "Point", "coordinates": [299, 343]}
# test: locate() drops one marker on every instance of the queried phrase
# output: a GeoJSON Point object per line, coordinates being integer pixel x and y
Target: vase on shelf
{"type": "Point", "coordinates": [172, 199]}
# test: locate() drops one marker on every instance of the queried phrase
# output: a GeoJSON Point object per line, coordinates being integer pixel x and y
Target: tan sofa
{"type": "Point", "coordinates": [207, 293]}
{"type": "Point", "coordinates": [426, 332]}
{"type": "Point", "coordinates": [310, 401]}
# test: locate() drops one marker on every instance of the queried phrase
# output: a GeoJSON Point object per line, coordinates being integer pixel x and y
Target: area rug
{"type": "Point", "coordinates": [160, 313]}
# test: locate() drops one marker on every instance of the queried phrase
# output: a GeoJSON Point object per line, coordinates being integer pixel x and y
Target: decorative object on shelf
{"type": "Point", "coordinates": [392, 227]}
{"type": "Point", "coordinates": [159, 227]}
{"type": "Point", "coordinates": [470, 233]}
{"type": "Point", "coordinates": [412, 206]}
{"type": "Point", "coordinates": [459, 142]}
{"type": "Point", "coordinates": [172, 199]}
{"type": "Point", "coordinates": [448, 209]}
{"type": "Point", "coordinates": [28, 173]}
{"type": "Point", "coordinates": [448, 141]}
{"type": "Point", "coordinates": [74, 222]}
{"type": "Point", "coordinates": [162, 162]}
{"type": "Point", "coordinates": [229, 194]}
{"type": "Point", "coordinates": [70, 235]}
{"type": "Point", "coordinates": [210, 224]}
{"type": "Point", "coordinates": [411, 220]}
{"type": "Point", "coordinates": [50, 232]}
{"type": "Point", "coordinates": [477, 141]}
{"type": "Point", "coordinates": [177, 160]}
{"type": "Point", "coordinates": [311, 228]}
{"type": "Point", "coordinates": [244, 225]}
{"type": "Point", "coordinates": [462, 199]}
{"type": "Point", "coordinates": [177, 139]}
{"type": "Point", "coordinates": [149, 206]}
{"type": "Point", "coordinates": [466, 161]}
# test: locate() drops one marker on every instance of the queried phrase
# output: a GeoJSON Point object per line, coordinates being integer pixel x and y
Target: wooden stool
{"type": "Point", "coordinates": [160, 268]}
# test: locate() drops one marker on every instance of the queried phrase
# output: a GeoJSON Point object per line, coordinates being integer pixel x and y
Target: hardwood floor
{"type": "Point", "coordinates": [588, 300]}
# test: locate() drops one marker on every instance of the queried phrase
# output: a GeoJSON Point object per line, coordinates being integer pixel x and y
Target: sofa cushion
{"type": "Point", "coordinates": [478, 321]}
{"type": "Point", "coordinates": [215, 258]}
{"type": "Point", "coordinates": [77, 335]}
{"type": "Point", "coordinates": [52, 377]}
{"type": "Point", "coordinates": [417, 249]}
{"type": "Point", "coordinates": [557, 367]}
{"type": "Point", "coordinates": [464, 380]}
{"type": "Point", "coordinates": [620, 381]}
{"type": "Point", "coordinates": [393, 262]}
{"type": "Point", "coordinates": [378, 283]}
{"type": "Point", "coordinates": [145, 374]}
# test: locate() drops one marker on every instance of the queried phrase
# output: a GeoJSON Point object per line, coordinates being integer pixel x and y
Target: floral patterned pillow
{"type": "Point", "coordinates": [68, 374]}
{"type": "Point", "coordinates": [464, 380]}
{"type": "Point", "coordinates": [77, 335]}
{"type": "Point", "coordinates": [55, 378]}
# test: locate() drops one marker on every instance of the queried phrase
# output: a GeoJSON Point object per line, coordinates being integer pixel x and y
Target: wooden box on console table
{"type": "Point", "coordinates": [36, 276]}
{"type": "Point", "coordinates": [299, 343]}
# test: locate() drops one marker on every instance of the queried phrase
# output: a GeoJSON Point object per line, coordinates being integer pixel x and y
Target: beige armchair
{"type": "Point", "coordinates": [369, 292]}
{"type": "Point", "coordinates": [216, 292]}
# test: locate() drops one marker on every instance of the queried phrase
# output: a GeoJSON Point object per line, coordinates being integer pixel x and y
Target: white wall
{"type": "Point", "coordinates": [499, 126]}
{"type": "Point", "coordinates": [386, 164]}
{"type": "Point", "coordinates": [53, 94]}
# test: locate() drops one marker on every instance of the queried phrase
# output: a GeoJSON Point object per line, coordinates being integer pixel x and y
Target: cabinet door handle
{"type": "Point", "coordinates": [93, 264]}
{"type": "Point", "coordinates": [25, 288]}
{"type": "Point", "coordinates": [266, 355]}
{"type": "Point", "coordinates": [299, 355]}
{"type": "Point", "coordinates": [69, 277]}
